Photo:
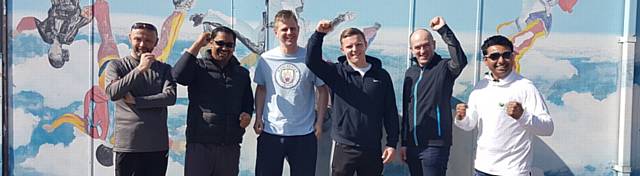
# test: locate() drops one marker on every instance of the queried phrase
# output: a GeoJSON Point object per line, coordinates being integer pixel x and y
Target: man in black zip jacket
{"type": "Point", "coordinates": [426, 95]}
{"type": "Point", "coordinates": [220, 104]}
{"type": "Point", "coordinates": [363, 102]}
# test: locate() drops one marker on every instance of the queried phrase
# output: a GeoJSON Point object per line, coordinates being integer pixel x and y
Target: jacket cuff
{"type": "Point", "coordinates": [319, 34]}
{"type": "Point", "coordinates": [443, 29]}
{"type": "Point", "coordinates": [392, 144]}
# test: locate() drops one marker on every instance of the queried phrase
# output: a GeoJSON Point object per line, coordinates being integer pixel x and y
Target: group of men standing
{"type": "Point", "coordinates": [291, 97]}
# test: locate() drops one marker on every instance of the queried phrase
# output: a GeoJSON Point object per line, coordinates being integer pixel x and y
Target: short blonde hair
{"type": "Point", "coordinates": [351, 32]}
{"type": "Point", "coordinates": [283, 15]}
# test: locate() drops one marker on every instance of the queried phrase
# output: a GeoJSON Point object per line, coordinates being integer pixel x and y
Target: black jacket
{"type": "Point", "coordinates": [426, 96]}
{"type": "Point", "coordinates": [217, 96]}
{"type": "Point", "coordinates": [361, 105]}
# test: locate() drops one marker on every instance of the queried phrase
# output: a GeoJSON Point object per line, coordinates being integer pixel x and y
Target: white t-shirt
{"type": "Point", "coordinates": [362, 70]}
{"type": "Point", "coordinates": [290, 95]}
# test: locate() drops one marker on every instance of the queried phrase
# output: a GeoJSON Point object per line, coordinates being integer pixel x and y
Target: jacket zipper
{"type": "Point", "coordinates": [415, 110]}
{"type": "Point", "coordinates": [415, 107]}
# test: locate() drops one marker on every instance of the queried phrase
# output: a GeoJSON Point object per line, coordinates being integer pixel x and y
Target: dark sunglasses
{"type": "Point", "coordinates": [495, 56]}
{"type": "Point", "coordinates": [146, 26]}
{"type": "Point", "coordinates": [221, 43]}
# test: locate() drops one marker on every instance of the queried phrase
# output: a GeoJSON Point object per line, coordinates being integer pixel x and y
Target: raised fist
{"type": "Point", "coordinates": [461, 111]}
{"type": "Point", "coordinates": [324, 26]}
{"type": "Point", "coordinates": [437, 23]}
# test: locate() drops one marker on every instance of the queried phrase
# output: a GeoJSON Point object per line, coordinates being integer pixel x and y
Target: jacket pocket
{"type": "Point", "coordinates": [212, 121]}
{"type": "Point", "coordinates": [347, 124]}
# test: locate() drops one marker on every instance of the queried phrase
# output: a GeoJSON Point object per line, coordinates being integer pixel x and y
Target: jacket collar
{"type": "Point", "coordinates": [233, 61]}
{"type": "Point", "coordinates": [375, 63]}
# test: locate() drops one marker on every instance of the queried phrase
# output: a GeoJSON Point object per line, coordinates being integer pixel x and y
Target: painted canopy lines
{"type": "Point", "coordinates": [534, 22]}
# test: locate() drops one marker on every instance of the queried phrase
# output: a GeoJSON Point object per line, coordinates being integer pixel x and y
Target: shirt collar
{"type": "Point", "coordinates": [503, 81]}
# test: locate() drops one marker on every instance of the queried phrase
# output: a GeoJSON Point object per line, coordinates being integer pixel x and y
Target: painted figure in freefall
{"type": "Point", "coordinates": [64, 19]}
{"type": "Point", "coordinates": [534, 22]}
{"type": "Point", "coordinates": [97, 125]}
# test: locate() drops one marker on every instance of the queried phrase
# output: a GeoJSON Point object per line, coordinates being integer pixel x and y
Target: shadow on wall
{"type": "Point", "coordinates": [548, 160]}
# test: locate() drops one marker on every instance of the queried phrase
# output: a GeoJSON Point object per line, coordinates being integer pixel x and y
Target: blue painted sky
{"type": "Point", "coordinates": [587, 80]}
{"type": "Point", "coordinates": [32, 102]}
{"type": "Point", "coordinates": [587, 17]}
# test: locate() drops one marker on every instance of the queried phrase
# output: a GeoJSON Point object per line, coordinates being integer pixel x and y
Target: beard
{"type": "Point", "coordinates": [140, 51]}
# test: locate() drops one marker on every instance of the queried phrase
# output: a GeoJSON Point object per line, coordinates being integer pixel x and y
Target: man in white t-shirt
{"type": "Point", "coordinates": [508, 111]}
{"type": "Point", "coordinates": [285, 104]}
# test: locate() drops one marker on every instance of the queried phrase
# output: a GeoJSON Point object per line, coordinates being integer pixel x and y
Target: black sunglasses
{"type": "Point", "coordinates": [221, 43]}
{"type": "Point", "coordinates": [495, 56]}
{"type": "Point", "coordinates": [146, 26]}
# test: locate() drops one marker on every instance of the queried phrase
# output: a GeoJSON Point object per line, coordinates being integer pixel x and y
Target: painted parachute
{"type": "Point", "coordinates": [371, 32]}
{"type": "Point", "coordinates": [534, 22]}
{"type": "Point", "coordinates": [250, 37]}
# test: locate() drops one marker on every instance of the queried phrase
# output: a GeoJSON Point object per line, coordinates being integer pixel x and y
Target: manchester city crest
{"type": "Point", "coordinates": [287, 75]}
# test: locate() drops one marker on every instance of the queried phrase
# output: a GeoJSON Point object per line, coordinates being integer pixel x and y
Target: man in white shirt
{"type": "Point", "coordinates": [508, 110]}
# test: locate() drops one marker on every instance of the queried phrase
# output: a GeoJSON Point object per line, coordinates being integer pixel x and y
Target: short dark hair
{"type": "Point", "coordinates": [223, 29]}
{"type": "Point", "coordinates": [350, 32]}
{"type": "Point", "coordinates": [496, 40]}
{"type": "Point", "coordinates": [146, 26]}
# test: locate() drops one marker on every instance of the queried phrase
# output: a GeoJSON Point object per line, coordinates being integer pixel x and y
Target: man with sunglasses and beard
{"type": "Point", "coordinates": [142, 88]}
{"type": "Point", "coordinates": [426, 96]}
{"type": "Point", "coordinates": [220, 104]}
{"type": "Point", "coordinates": [508, 111]}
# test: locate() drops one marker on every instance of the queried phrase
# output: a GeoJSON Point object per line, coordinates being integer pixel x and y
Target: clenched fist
{"type": "Point", "coordinates": [146, 59]}
{"type": "Point", "coordinates": [461, 111]}
{"type": "Point", "coordinates": [324, 26]}
{"type": "Point", "coordinates": [245, 119]}
{"type": "Point", "coordinates": [437, 23]}
{"type": "Point", "coordinates": [514, 109]}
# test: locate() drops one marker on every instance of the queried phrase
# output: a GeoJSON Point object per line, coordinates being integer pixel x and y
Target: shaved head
{"type": "Point", "coordinates": [421, 34]}
{"type": "Point", "coordinates": [422, 46]}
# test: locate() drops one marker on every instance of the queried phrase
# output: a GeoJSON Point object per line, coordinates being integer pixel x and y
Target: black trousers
{"type": "Point", "coordinates": [431, 160]}
{"type": "Point", "coordinates": [348, 160]}
{"type": "Point", "coordinates": [300, 152]}
{"type": "Point", "coordinates": [141, 163]}
{"type": "Point", "coordinates": [212, 159]}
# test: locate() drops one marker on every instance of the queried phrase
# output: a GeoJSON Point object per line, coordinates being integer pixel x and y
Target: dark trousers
{"type": "Point", "coordinates": [431, 161]}
{"type": "Point", "coordinates": [212, 159]}
{"type": "Point", "coordinates": [141, 163]}
{"type": "Point", "coordinates": [300, 152]}
{"type": "Point", "coordinates": [348, 160]}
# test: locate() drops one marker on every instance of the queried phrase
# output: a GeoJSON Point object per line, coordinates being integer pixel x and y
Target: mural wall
{"type": "Point", "coordinates": [63, 122]}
